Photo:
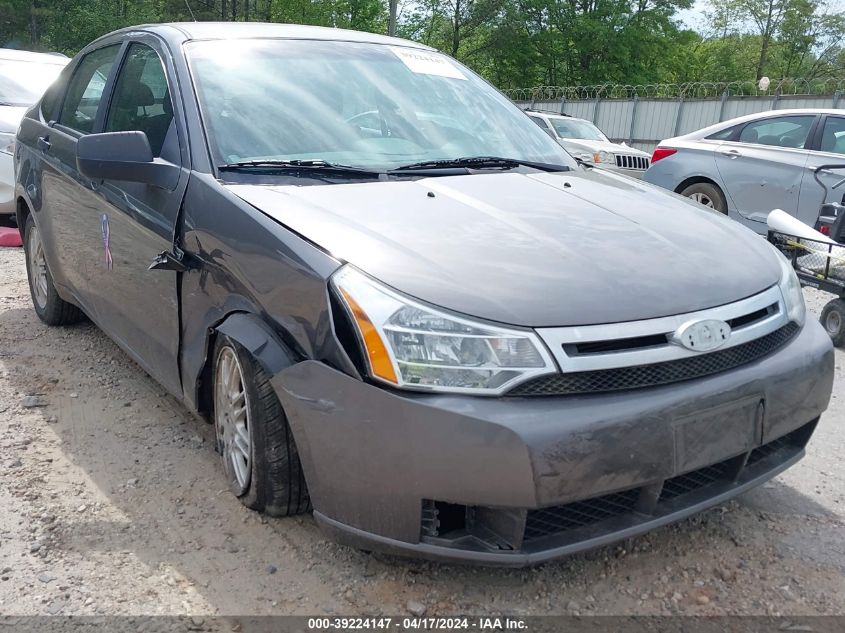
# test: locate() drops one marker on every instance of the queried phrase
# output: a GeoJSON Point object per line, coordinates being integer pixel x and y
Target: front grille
{"type": "Point", "coordinates": [540, 523]}
{"type": "Point", "coordinates": [629, 161]}
{"type": "Point", "coordinates": [640, 376]}
{"type": "Point", "coordinates": [798, 438]}
{"type": "Point", "coordinates": [697, 479]}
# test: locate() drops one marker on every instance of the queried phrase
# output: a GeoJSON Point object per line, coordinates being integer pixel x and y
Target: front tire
{"type": "Point", "coordinates": [253, 436]}
{"type": "Point", "coordinates": [49, 306]}
{"type": "Point", "coordinates": [833, 320]}
{"type": "Point", "coordinates": [708, 194]}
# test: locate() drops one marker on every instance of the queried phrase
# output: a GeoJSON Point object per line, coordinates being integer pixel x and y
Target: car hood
{"type": "Point", "coordinates": [10, 118]}
{"type": "Point", "coordinates": [583, 145]}
{"type": "Point", "coordinates": [544, 249]}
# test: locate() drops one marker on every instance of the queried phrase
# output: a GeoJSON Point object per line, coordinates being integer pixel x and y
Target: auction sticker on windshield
{"type": "Point", "coordinates": [425, 63]}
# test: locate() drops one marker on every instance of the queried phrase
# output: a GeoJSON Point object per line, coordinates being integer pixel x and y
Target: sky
{"type": "Point", "coordinates": [694, 16]}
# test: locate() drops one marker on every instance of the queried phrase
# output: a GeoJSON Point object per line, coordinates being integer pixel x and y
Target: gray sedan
{"type": "Point", "coordinates": [748, 166]}
{"type": "Point", "coordinates": [428, 323]}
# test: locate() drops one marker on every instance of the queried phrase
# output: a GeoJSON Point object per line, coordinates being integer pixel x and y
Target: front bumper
{"type": "Point", "coordinates": [517, 481]}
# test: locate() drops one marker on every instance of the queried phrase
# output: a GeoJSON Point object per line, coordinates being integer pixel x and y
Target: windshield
{"type": "Point", "coordinates": [575, 128]}
{"type": "Point", "coordinates": [364, 105]}
{"type": "Point", "coordinates": [22, 83]}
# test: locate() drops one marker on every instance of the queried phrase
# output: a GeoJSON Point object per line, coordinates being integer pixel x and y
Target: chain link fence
{"type": "Point", "coordinates": [692, 90]}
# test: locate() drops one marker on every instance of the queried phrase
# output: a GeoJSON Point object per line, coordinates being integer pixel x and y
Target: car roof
{"type": "Point", "coordinates": [554, 115]}
{"type": "Point", "coordinates": [12, 54]}
{"type": "Point", "coordinates": [710, 129]}
{"type": "Point", "coordinates": [263, 30]}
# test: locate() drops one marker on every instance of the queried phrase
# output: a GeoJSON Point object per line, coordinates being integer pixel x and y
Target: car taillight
{"type": "Point", "coordinates": [662, 152]}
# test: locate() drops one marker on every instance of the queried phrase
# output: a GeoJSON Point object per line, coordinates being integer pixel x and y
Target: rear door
{"type": "Point", "coordinates": [69, 200]}
{"type": "Point", "coordinates": [828, 148]}
{"type": "Point", "coordinates": [763, 167]}
{"type": "Point", "coordinates": [139, 306]}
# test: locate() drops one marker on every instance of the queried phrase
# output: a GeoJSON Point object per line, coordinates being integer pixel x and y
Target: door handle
{"type": "Point", "coordinates": [730, 153]}
{"type": "Point", "coordinates": [44, 143]}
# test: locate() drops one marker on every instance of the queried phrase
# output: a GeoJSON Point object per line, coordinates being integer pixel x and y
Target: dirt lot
{"type": "Point", "coordinates": [112, 501]}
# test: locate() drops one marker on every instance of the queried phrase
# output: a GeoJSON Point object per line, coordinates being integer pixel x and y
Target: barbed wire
{"type": "Point", "coordinates": [690, 90]}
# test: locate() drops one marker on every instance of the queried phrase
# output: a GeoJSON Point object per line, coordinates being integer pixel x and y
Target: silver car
{"type": "Point", "coordinates": [748, 166]}
{"type": "Point", "coordinates": [24, 77]}
{"type": "Point", "coordinates": [588, 143]}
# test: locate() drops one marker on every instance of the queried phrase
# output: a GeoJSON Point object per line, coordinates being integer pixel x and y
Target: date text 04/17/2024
{"type": "Point", "coordinates": [417, 624]}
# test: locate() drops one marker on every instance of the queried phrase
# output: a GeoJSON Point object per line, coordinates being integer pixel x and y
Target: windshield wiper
{"type": "Point", "coordinates": [311, 164]}
{"type": "Point", "coordinates": [478, 162]}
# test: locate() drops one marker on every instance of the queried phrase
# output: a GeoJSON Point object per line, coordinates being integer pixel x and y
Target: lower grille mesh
{"type": "Point", "coordinates": [579, 514]}
{"type": "Point", "coordinates": [547, 522]}
{"type": "Point", "coordinates": [621, 378]}
{"type": "Point", "coordinates": [695, 480]}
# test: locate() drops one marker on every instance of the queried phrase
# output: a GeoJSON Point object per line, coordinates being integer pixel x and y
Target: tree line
{"type": "Point", "coordinates": [513, 43]}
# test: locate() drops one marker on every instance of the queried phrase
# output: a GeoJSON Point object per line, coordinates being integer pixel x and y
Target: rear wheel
{"type": "Point", "coordinates": [833, 320]}
{"type": "Point", "coordinates": [253, 436]}
{"type": "Point", "coordinates": [708, 194]}
{"type": "Point", "coordinates": [49, 306]}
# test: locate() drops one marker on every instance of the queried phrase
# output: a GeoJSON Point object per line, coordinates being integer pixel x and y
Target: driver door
{"type": "Point", "coordinates": [137, 221]}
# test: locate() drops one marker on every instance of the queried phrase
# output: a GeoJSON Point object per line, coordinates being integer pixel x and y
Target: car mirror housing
{"type": "Point", "coordinates": [123, 156]}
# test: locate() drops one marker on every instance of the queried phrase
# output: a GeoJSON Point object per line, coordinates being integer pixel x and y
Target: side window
{"type": "Point", "coordinates": [50, 100]}
{"type": "Point", "coordinates": [833, 135]}
{"type": "Point", "coordinates": [723, 135]}
{"type": "Point", "coordinates": [785, 131]}
{"type": "Point", "coordinates": [141, 99]}
{"type": "Point", "coordinates": [539, 122]}
{"type": "Point", "coordinates": [86, 89]}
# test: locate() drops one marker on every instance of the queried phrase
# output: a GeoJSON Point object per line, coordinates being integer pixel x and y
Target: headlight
{"type": "Point", "coordinates": [416, 346]}
{"type": "Point", "coordinates": [790, 288]}
{"type": "Point", "coordinates": [604, 157]}
{"type": "Point", "coordinates": [7, 143]}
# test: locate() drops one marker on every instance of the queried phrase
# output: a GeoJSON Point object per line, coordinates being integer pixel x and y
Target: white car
{"type": "Point", "coordinates": [586, 142]}
{"type": "Point", "coordinates": [24, 77]}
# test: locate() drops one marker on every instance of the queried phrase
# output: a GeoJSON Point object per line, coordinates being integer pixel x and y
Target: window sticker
{"type": "Point", "coordinates": [427, 63]}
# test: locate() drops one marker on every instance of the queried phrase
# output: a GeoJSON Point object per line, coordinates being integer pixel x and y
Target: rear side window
{"type": "Point", "coordinates": [538, 121]}
{"type": "Point", "coordinates": [786, 131]}
{"type": "Point", "coordinates": [50, 100]}
{"type": "Point", "coordinates": [833, 135]}
{"type": "Point", "coordinates": [141, 98]}
{"type": "Point", "coordinates": [86, 89]}
{"type": "Point", "coordinates": [723, 135]}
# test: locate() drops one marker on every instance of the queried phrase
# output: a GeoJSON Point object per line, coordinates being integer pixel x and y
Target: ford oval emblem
{"type": "Point", "coordinates": [702, 336]}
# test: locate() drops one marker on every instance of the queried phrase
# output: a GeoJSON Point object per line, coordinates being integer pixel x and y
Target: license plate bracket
{"type": "Point", "coordinates": [718, 433]}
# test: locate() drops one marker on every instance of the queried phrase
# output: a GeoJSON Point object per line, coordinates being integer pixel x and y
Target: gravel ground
{"type": "Point", "coordinates": [112, 501]}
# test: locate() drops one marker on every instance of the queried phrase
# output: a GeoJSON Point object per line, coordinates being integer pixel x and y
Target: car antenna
{"type": "Point", "coordinates": [191, 11]}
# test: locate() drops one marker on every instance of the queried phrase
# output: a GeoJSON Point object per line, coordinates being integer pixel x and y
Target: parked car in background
{"type": "Point", "coordinates": [452, 341]}
{"type": "Point", "coordinates": [750, 165]}
{"type": "Point", "coordinates": [24, 77]}
{"type": "Point", "coordinates": [588, 143]}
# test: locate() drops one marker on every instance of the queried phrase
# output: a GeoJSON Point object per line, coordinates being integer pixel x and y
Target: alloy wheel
{"type": "Point", "coordinates": [37, 268]}
{"type": "Point", "coordinates": [702, 198]}
{"type": "Point", "coordinates": [231, 417]}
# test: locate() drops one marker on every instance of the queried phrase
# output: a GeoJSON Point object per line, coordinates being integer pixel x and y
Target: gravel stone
{"type": "Point", "coordinates": [31, 402]}
{"type": "Point", "coordinates": [416, 608]}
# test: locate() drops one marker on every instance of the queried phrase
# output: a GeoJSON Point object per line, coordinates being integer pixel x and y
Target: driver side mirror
{"type": "Point", "coordinates": [123, 156]}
